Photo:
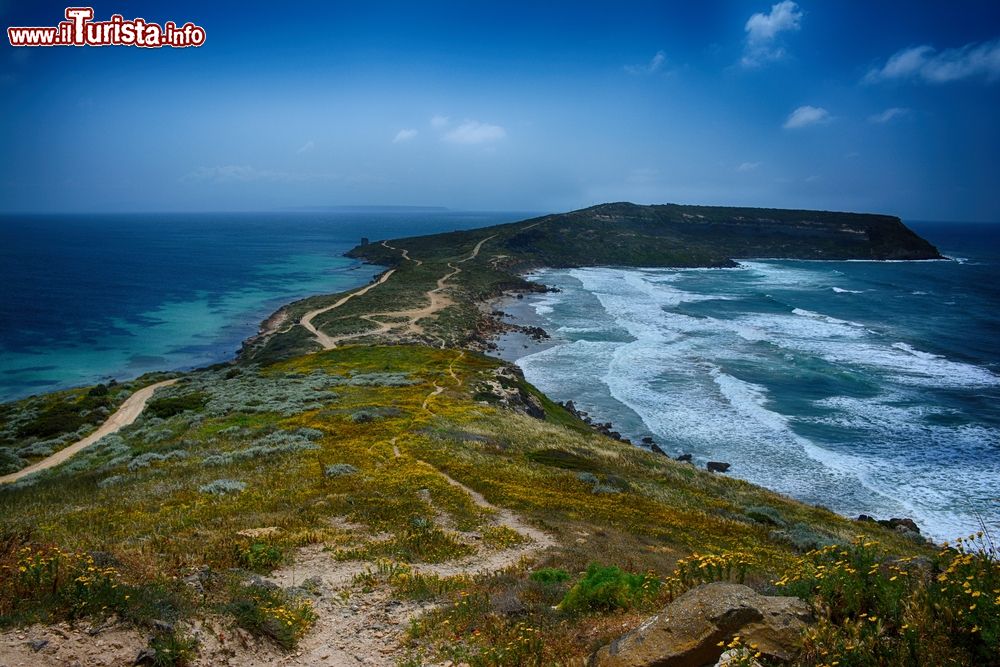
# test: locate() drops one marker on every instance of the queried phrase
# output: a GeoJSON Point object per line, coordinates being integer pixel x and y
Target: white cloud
{"type": "Point", "coordinates": [232, 173]}
{"type": "Point", "coordinates": [440, 121]}
{"type": "Point", "coordinates": [655, 64]}
{"type": "Point", "coordinates": [404, 135]}
{"type": "Point", "coordinates": [763, 31]}
{"type": "Point", "coordinates": [888, 115]}
{"type": "Point", "coordinates": [926, 64]}
{"type": "Point", "coordinates": [306, 147]}
{"type": "Point", "coordinates": [474, 132]}
{"type": "Point", "coordinates": [806, 115]}
{"type": "Point", "coordinates": [748, 166]}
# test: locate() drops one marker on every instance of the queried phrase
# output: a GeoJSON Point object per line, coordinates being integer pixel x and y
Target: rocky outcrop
{"type": "Point", "coordinates": [717, 466]}
{"type": "Point", "coordinates": [688, 632]}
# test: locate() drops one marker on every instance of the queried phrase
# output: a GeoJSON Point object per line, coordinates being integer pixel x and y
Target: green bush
{"type": "Point", "coordinates": [171, 649]}
{"type": "Point", "coordinates": [550, 576]}
{"type": "Point", "coordinates": [607, 589]}
{"type": "Point", "coordinates": [59, 418]}
{"type": "Point", "coordinates": [260, 556]}
{"type": "Point", "coordinates": [174, 405]}
{"type": "Point", "coordinates": [270, 612]}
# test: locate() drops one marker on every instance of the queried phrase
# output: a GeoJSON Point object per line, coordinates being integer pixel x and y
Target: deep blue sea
{"type": "Point", "coordinates": [87, 298]}
{"type": "Point", "coordinates": [866, 387]}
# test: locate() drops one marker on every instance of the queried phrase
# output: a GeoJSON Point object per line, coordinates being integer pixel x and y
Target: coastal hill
{"type": "Point", "coordinates": [363, 486]}
{"type": "Point", "coordinates": [626, 234]}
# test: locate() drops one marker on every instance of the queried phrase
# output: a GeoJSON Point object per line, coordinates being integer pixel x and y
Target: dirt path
{"type": "Point", "coordinates": [404, 252]}
{"type": "Point", "coordinates": [125, 415]}
{"type": "Point", "coordinates": [437, 300]}
{"type": "Point", "coordinates": [327, 342]}
{"type": "Point", "coordinates": [364, 627]}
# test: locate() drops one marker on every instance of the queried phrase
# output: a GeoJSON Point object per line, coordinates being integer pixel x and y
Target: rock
{"type": "Point", "coordinates": [38, 644]}
{"type": "Point", "coordinates": [163, 626]}
{"type": "Point", "coordinates": [646, 440]}
{"type": "Point", "coordinates": [736, 658]}
{"type": "Point", "coordinates": [655, 448]}
{"type": "Point", "coordinates": [717, 466]}
{"type": "Point", "coordinates": [686, 458]}
{"type": "Point", "coordinates": [687, 632]}
{"type": "Point", "coordinates": [904, 523]}
{"type": "Point", "coordinates": [147, 656]}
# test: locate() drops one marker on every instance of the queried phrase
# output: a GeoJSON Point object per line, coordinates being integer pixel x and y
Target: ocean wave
{"type": "Point", "coordinates": [679, 378]}
{"type": "Point", "coordinates": [841, 290]}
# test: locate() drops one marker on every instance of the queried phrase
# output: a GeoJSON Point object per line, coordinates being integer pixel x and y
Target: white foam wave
{"type": "Point", "coordinates": [841, 290]}
{"type": "Point", "coordinates": [672, 376]}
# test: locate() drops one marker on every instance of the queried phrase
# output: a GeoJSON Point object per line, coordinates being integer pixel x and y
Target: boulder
{"type": "Point", "coordinates": [687, 633]}
{"type": "Point", "coordinates": [904, 524]}
{"type": "Point", "coordinates": [686, 458]}
{"type": "Point", "coordinates": [717, 466]}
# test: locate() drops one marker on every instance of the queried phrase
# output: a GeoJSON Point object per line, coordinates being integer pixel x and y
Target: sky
{"type": "Point", "coordinates": [877, 106]}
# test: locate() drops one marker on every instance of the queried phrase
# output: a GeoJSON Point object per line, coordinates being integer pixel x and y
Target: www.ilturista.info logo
{"type": "Point", "coordinates": [79, 29]}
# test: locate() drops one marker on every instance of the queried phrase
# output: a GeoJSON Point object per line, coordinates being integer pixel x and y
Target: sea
{"type": "Point", "coordinates": [88, 298]}
{"type": "Point", "coordinates": [866, 387]}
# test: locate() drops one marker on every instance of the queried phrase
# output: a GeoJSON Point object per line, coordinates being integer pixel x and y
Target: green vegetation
{"type": "Point", "coordinates": [39, 426]}
{"type": "Point", "coordinates": [609, 588]}
{"type": "Point", "coordinates": [155, 525]}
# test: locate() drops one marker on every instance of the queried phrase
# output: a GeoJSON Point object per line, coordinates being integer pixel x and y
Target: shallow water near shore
{"type": "Point", "coordinates": [86, 298]}
{"type": "Point", "coordinates": [865, 387]}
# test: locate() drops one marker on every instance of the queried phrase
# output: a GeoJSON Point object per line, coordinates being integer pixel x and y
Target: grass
{"type": "Point", "coordinates": [666, 523]}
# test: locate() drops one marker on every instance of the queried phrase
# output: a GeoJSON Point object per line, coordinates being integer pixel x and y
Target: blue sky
{"type": "Point", "coordinates": [869, 106]}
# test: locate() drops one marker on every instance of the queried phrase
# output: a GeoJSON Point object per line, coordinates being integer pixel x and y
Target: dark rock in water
{"type": "Point", "coordinates": [904, 523]}
{"type": "Point", "coordinates": [693, 629]}
{"type": "Point", "coordinates": [686, 458]}
{"type": "Point", "coordinates": [646, 440]}
{"type": "Point", "coordinates": [901, 524]}
{"type": "Point", "coordinates": [520, 296]}
{"type": "Point", "coordinates": [717, 466]}
{"type": "Point", "coordinates": [569, 405]}
{"type": "Point", "coordinates": [656, 449]}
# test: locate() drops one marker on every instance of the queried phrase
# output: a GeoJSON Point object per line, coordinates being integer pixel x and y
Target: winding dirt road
{"type": "Point", "coordinates": [125, 415]}
{"type": "Point", "coordinates": [327, 342]}
{"type": "Point", "coordinates": [437, 300]}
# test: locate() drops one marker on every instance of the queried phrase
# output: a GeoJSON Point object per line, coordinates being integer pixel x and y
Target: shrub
{"type": "Point", "coordinates": [221, 487]}
{"type": "Point", "coordinates": [110, 481]}
{"type": "Point", "coordinates": [339, 470]}
{"type": "Point", "coordinates": [550, 576]}
{"type": "Point", "coordinates": [803, 537]}
{"type": "Point", "coordinates": [607, 589]}
{"type": "Point", "coordinates": [49, 582]}
{"type": "Point", "coordinates": [281, 442]}
{"type": "Point", "coordinates": [145, 460]}
{"type": "Point", "coordinates": [260, 556]}
{"type": "Point", "coordinates": [169, 406]}
{"type": "Point", "coordinates": [10, 462]}
{"type": "Point", "coordinates": [171, 649]}
{"type": "Point", "coordinates": [59, 418]}
{"type": "Point", "coordinates": [270, 612]}
{"type": "Point", "coordinates": [874, 610]}
{"type": "Point", "coordinates": [766, 515]}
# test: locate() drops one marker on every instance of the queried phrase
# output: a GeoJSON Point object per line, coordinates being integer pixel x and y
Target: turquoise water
{"type": "Point", "coordinates": [87, 298]}
{"type": "Point", "coordinates": [865, 387]}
